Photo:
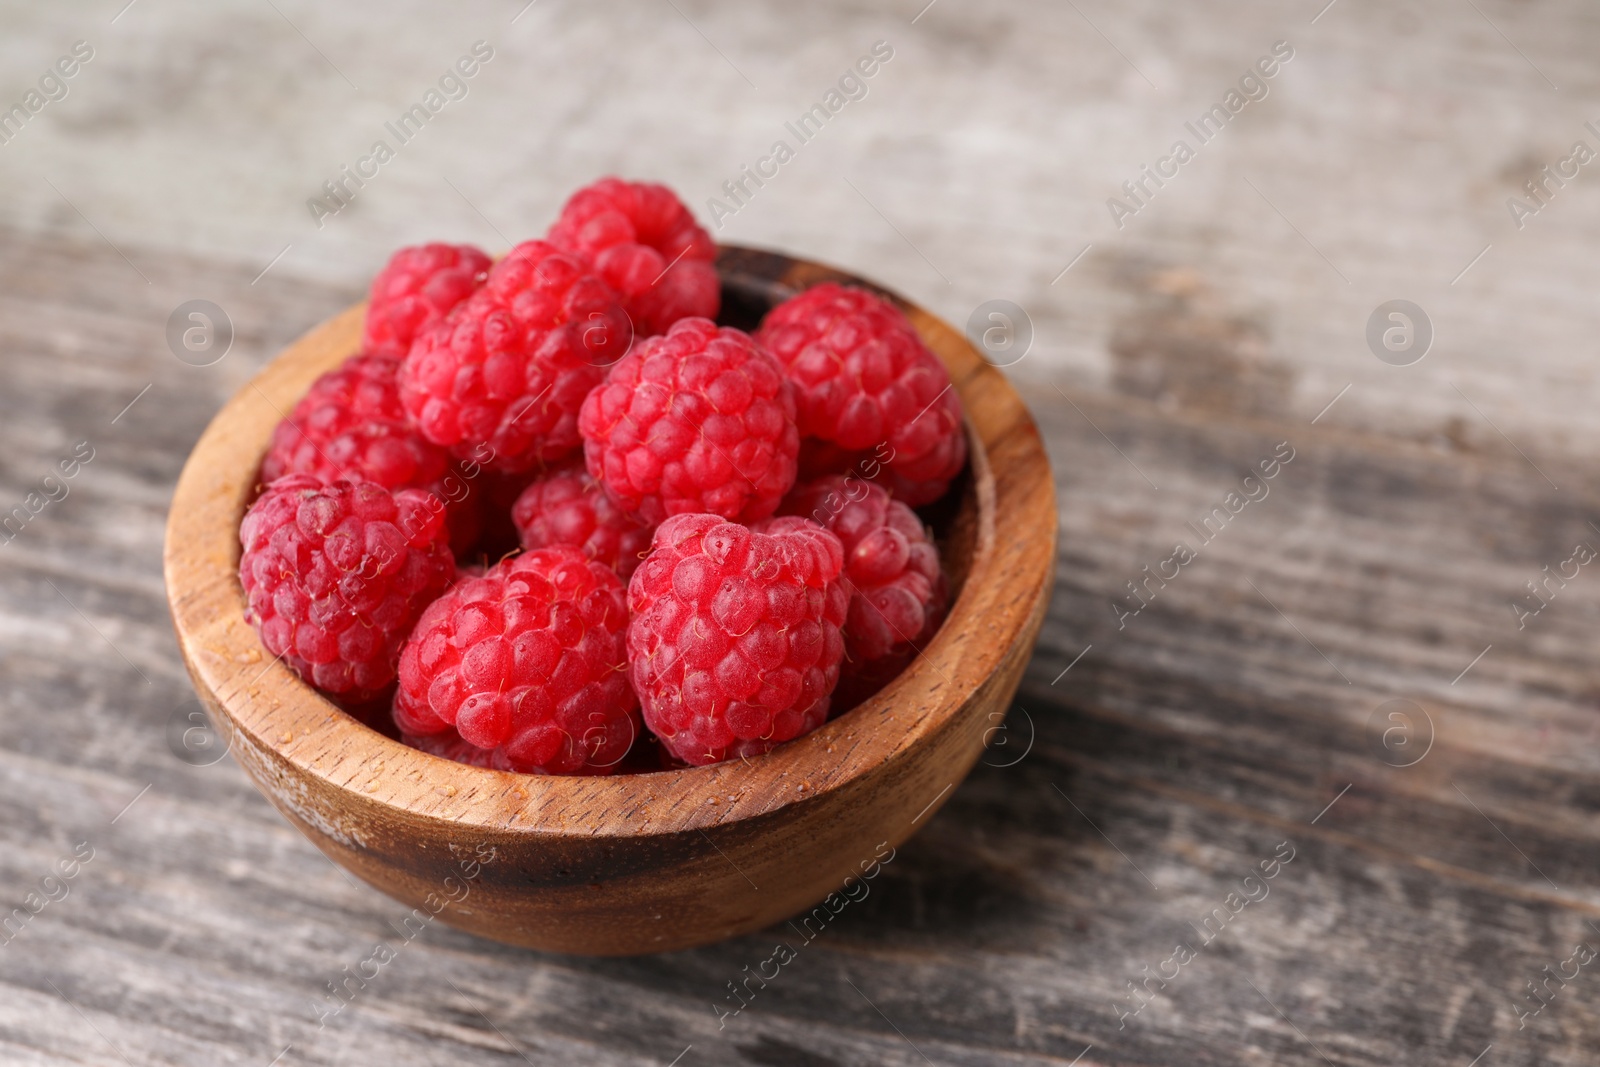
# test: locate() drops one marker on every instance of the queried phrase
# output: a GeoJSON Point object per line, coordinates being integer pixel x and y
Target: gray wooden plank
{"type": "Point", "coordinates": [1189, 743]}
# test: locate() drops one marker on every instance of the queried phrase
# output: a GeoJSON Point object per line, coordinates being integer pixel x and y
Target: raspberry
{"type": "Point", "coordinates": [502, 377]}
{"type": "Point", "coordinates": [734, 645]}
{"type": "Point", "coordinates": [644, 242]}
{"type": "Point", "coordinates": [569, 507]}
{"type": "Point", "coordinates": [698, 419]}
{"type": "Point", "coordinates": [351, 425]}
{"type": "Point", "coordinates": [899, 592]}
{"type": "Point", "coordinates": [416, 288]}
{"type": "Point", "coordinates": [335, 575]}
{"type": "Point", "coordinates": [865, 382]}
{"type": "Point", "coordinates": [528, 659]}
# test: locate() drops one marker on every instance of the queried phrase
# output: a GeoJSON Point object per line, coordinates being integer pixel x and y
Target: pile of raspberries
{"type": "Point", "coordinates": [552, 518]}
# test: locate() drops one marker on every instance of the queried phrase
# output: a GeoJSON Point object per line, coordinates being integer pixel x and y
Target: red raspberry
{"type": "Point", "coordinates": [644, 242]}
{"type": "Point", "coordinates": [529, 659]}
{"type": "Point", "coordinates": [416, 288]}
{"type": "Point", "coordinates": [568, 507]}
{"type": "Point", "coordinates": [734, 645]}
{"type": "Point", "coordinates": [509, 368]}
{"type": "Point", "coordinates": [889, 556]}
{"type": "Point", "coordinates": [699, 419]}
{"type": "Point", "coordinates": [351, 425]}
{"type": "Point", "coordinates": [866, 383]}
{"type": "Point", "coordinates": [335, 575]}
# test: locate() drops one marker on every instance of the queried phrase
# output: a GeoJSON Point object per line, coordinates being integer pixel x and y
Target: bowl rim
{"type": "Point", "coordinates": [278, 713]}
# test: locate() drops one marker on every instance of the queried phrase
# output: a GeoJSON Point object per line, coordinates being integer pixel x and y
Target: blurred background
{"type": "Point", "coordinates": [1379, 255]}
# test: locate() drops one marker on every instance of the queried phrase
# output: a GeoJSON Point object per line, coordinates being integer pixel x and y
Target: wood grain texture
{"type": "Point", "coordinates": [1189, 743]}
{"type": "Point", "coordinates": [1182, 749]}
{"type": "Point", "coordinates": [978, 166]}
{"type": "Point", "coordinates": [626, 863]}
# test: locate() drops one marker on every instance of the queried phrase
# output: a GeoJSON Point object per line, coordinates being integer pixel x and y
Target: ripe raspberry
{"type": "Point", "coordinates": [899, 592]}
{"type": "Point", "coordinates": [644, 242]}
{"type": "Point", "coordinates": [335, 575]}
{"type": "Point", "coordinates": [734, 645]}
{"type": "Point", "coordinates": [415, 289]}
{"type": "Point", "coordinates": [351, 425]}
{"type": "Point", "coordinates": [529, 659]}
{"type": "Point", "coordinates": [866, 383]}
{"type": "Point", "coordinates": [509, 368]}
{"type": "Point", "coordinates": [568, 507]}
{"type": "Point", "coordinates": [699, 419]}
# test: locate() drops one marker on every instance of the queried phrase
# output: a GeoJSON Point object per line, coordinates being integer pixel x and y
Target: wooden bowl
{"type": "Point", "coordinates": [631, 863]}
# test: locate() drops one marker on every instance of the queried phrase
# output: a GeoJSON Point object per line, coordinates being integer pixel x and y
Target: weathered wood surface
{"type": "Point", "coordinates": [1172, 758]}
{"type": "Point", "coordinates": [1195, 739]}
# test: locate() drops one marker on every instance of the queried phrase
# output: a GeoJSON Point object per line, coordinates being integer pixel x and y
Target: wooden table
{"type": "Point", "coordinates": [1339, 684]}
{"type": "Point", "coordinates": [1154, 762]}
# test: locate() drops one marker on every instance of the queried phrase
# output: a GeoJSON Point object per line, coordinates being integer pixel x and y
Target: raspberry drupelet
{"type": "Point", "coordinates": [898, 593]}
{"type": "Point", "coordinates": [699, 419]}
{"type": "Point", "coordinates": [734, 646]}
{"type": "Point", "coordinates": [415, 289]}
{"type": "Point", "coordinates": [568, 507]}
{"type": "Point", "coordinates": [646, 244]}
{"type": "Point", "coordinates": [504, 374]}
{"type": "Point", "coordinates": [866, 386]}
{"type": "Point", "coordinates": [335, 576]}
{"type": "Point", "coordinates": [528, 659]}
